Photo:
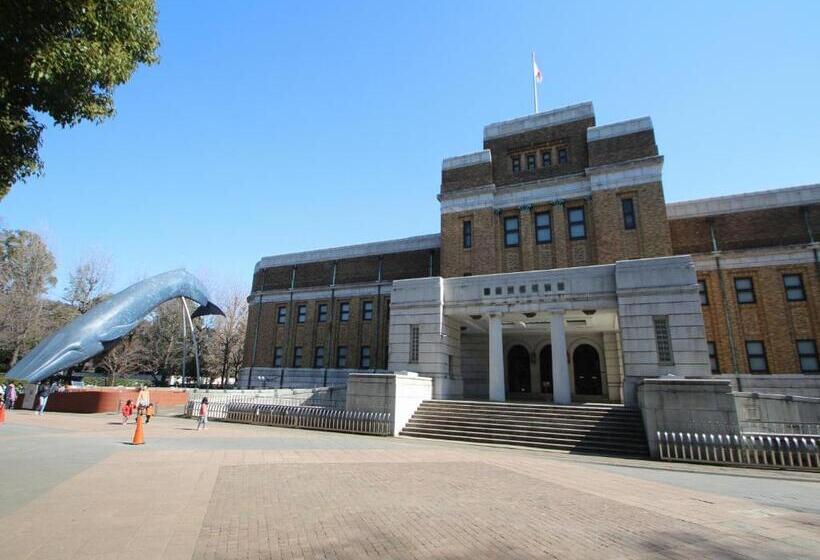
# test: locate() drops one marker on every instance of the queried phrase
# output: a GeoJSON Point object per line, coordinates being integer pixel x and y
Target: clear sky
{"type": "Point", "coordinates": [273, 127]}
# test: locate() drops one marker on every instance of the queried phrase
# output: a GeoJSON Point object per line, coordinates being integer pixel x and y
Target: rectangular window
{"type": "Point", "coordinates": [663, 340]}
{"type": "Point", "coordinates": [364, 357]}
{"type": "Point", "coordinates": [344, 312]}
{"type": "Point", "coordinates": [793, 284]}
{"type": "Point", "coordinates": [321, 314]}
{"type": "Point", "coordinates": [543, 228]}
{"type": "Point", "coordinates": [756, 354]}
{"type": "Point", "coordinates": [807, 352]}
{"type": "Point", "coordinates": [341, 357]}
{"type": "Point", "coordinates": [546, 158]}
{"type": "Point", "coordinates": [277, 357]}
{"type": "Point", "coordinates": [577, 223]}
{"type": "Point", "coordinates": [511, 231]}
{"type": "Point", "coordinates": [744, 290]}
{"type": "Point", "coordinates": [530, 162]}
{"type": "Point", "coordinates": [467, 234]}
{"type": "Point", "coordinates": [516, 164]}
{"type": "Point", "coordinates": [301, 313]}
{"type": "Point", "coordinates": [281, 314]}
{"type": "Point", "coordinates": [414, 344]}
{"type": "Point", "coordinates": [628, 207]}
{"type": "Point", "coordinates": [319, 357]}
{"type": "Point", "coordinates": [563, 156]}
{"type": "Point", "coordinates": [367, 310]}
{"type": "Point", "coordinates": [297, 357]}
{"type": "Point", "coordinates": [704, 295]}
{"type": "Point", "coordinates": [713, 360]}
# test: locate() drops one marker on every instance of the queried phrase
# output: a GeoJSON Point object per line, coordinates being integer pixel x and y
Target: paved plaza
{"type": "Point", "coordinates": [72, 487]}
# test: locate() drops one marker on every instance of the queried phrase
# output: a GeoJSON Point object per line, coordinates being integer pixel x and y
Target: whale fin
{"type": "Point", "coordinates": [117, 332]}
{"type": "Point", "coordinates": [207, 309]}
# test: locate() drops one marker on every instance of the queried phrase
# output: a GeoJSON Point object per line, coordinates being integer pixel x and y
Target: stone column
{"type": "Point", "coordinates": [497, 392]}
{"type": "Point", "coordinates": [561, 393]}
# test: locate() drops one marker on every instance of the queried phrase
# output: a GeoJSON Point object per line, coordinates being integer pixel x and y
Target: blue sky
{"type": "Point", "coordinates": [274, 127]}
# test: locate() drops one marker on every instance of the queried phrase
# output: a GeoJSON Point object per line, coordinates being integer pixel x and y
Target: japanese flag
{"type": "Point", "coordinates": [536, 72]}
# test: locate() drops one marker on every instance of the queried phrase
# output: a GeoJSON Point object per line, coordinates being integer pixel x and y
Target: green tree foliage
{"type": "Point", "coordinates": [64, 58]}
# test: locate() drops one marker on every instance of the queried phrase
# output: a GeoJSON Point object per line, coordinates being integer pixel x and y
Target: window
{"type": "Point", "coordinates": [414, 344]}
{"type": "Point", "coordinates": [364, 357]}
{"type": "Point", "coordinates": [281, 314]}
{"type": "Point", "coordinates": [277, 357]}
{"type": "Point", "coordinates": [756, 354]}
{"type": "Point", "coordinates": [516, 164]}
{"type": "Point", "coordinates": [543, 228]}
{"type": "Point", "coordinates": [367, 311]}
{"type": "Point", "coordinates": [341, 357]}
{"type": "Point", "coordinates": [713, 360]}
{"type": "Point", "coordinates": [530, 162]}
{"type": "Point", "coordinates": [301, 313]}
{"type": "Point", "coordinates": [807, 352]}
{"type": "Point", "coordinates": [546, 158]}
{"type": "Point", "coordinates": [793, 284]}
{"type": "Point", "coordinates": [744, 290]}
{"type": "Point", "coordinates": [628, 207]}
{"type": "Point", "coordinates": [319, 357]}
{"type": "Point", "coordinates": [486, 291]}
{"type": "Point", "coordinates": [467, 234]}
{"type": "Point", "coordinates": [511, 231]}
{"type": "Point", "coordinates": [563, 156]}
{"type": "Point", "coordinates": [663, 340]}
{"type": "Point", "coordinates": [322, 313]}
{"type": "Point", "coordinates": [297, 357]}
{"type": "Point", "coordinates": [577, 223]}
{"type": "Point", "coordinates": [344, 312]}
{"type": "Point", "coordinates": [704, 295]}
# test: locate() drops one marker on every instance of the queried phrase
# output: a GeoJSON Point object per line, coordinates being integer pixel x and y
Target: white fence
{"type": "Point", "coordinates": [798, 452]}
{"type": "Point", "coordinates": [305, 417]}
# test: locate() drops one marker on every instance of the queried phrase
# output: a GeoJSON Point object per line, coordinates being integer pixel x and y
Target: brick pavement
{"type": "Point", "coordinates": [252, 492]}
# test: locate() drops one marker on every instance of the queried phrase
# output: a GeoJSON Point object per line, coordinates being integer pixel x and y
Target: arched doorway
{"type": "Point", "coordinates": [518, 370]}
{"type": "Point", "coordinates": [545, 365]}
{"type": "Point", "coordinates": [587, 370]}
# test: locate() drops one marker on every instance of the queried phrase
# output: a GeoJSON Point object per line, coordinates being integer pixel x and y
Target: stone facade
{"type": "Point", "coordinates": [553, 197]}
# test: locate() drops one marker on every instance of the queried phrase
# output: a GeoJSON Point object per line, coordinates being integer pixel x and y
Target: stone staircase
{"type": "Point", "coordinates": [585, 428]}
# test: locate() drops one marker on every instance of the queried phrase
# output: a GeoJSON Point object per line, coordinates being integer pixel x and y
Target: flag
{"type": "Point", "coordinates": [536, 72]}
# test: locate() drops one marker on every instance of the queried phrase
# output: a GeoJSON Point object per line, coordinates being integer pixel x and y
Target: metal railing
{"type": "Point", "coordinates": [799, 452]}
{"type": "Point", "coordinates": [303, 416]}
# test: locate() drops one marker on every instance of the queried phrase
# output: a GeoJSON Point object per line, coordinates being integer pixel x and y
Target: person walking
{"type": "Point", "coordinates": [127, 411]}
{"type": "Point", "coordinates": [42, 398]}
{"type": "Point", "coordinates": [10, 396]}
{"type": "Point", "coordinates": [203, 415]}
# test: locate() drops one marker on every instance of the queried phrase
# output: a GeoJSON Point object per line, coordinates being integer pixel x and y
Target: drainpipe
{"type": "Point", "coordinates": [726, 313]}
{"type": "Point", "coordinates": [332, 314]}
{"type": "Point", "coordinates": [377, 346]}
{"type": "Point", "coordinates": [255, 338]}
{"type": "Point", "coordinates": [286, 345]}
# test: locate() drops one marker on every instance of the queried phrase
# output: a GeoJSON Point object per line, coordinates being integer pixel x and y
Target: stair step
{"type": "Point", "coordinates": [546, 418]}
{"type": "Point", "coordinates": [561, 430]}
{"type": "Point", "coordinates": [534, 410]}
{"type": "Point", "coordinates": [577, 448]}
{"type": "Point", "coordinates": [537, 406]}
{"type": "Point", "coordinates": [529, 436]}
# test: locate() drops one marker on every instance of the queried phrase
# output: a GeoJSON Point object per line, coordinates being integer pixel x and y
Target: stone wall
{"type": "Point", "coordinates": [400, 394]}
{"type": "Point", "coordinates": [292, 378]}
{"type": "Point", "coordinates": [777, 413]}
{"type": "Point", "coordinates": [778, 384]}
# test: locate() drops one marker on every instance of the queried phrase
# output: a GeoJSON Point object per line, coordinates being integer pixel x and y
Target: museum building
{"type": "Point", "coordinates": [560, 274]}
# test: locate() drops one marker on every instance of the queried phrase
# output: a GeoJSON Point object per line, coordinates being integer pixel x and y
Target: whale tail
{"type": "Point", "coordinates": [208, 309]}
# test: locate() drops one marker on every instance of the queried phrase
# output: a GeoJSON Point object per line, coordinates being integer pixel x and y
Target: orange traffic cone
{"type": "Point", "coordinates": [2, 413]}
{"type": "Point", "coordinates": [138, 436]}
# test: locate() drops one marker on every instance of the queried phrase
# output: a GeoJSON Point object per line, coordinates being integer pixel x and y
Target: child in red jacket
{"type": "Point", "coordinates": [127, 411]}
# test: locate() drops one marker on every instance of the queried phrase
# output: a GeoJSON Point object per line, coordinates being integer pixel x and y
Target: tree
{"type": "Point", "coordinates": [123, 358]}
{"type": "Point", "coordinates": [26, 274]}
{"type": "Point", "coordinates": [224, 342]}
{"type": "Point", "coordinates": [64, 58]}
{"type": "Point", "coordinates": [88, 283]}
{"type": "Point", "coordinates": [160, 339]}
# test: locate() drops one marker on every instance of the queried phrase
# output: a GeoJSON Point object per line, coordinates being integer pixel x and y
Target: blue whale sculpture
{"type": "Point", "coordinates": [106, 323]}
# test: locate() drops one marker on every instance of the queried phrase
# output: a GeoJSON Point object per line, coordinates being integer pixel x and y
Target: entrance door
{"type": "Point", "coordinates": [587, 370]}
{"type": "Point", "coordinates": [518, 370]}
{"type": "Point", "coordinates": [545, 364]}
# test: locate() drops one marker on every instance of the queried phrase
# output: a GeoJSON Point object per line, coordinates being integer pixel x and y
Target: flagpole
{"type": "Point", "coordinates": [534, 84]}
